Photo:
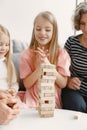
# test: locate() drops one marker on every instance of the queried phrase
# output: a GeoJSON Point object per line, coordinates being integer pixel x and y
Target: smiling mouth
{"type": "Point", "coordinates": [2, 52]}
{"type": "Point", "coordinates": [42, 38]}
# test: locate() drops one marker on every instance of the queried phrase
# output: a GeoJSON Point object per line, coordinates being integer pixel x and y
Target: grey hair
{"type": "Point", "coordinates": [79, 11]}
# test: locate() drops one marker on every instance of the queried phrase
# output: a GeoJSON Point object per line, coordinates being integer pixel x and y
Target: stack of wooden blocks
{"type": "Point", "coordinates": [46, 88]}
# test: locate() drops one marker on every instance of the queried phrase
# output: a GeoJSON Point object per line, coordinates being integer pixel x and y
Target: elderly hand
{"type": "Point", "coordinates": [74, 83]}
{"type": "Point", "coordinates": [9, 109]}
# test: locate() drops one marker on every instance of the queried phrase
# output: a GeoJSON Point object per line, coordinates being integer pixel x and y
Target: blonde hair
{"type": "Point", "coordinates": [12, 77]}
{"type": "Point", "coordinates": [54, 41]}
{"type": "Point", "coordinates": [79, 11]}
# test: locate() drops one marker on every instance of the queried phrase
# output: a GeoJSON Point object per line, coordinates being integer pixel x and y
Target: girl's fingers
{"type": "Point", "coordinates": [41, 52]}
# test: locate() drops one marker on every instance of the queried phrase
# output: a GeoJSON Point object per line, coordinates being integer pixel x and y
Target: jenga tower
{"type": "Point", "coordinates": [46, 88]}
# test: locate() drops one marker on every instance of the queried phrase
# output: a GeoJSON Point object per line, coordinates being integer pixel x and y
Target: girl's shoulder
{"type": "Point", "coordinates": [63, 55]}
{"type": "Point", "coordinates": [62, 51]}
{"type": "Point", "coordinates": [27, 53]}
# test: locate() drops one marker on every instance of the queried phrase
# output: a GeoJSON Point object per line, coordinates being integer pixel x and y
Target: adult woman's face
{"type": "Point", "coordinates": [83, 24]}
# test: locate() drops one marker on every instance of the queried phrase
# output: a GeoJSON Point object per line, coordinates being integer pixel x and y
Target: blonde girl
{"type": "Point", "coordinates": [43, 48]}
{"type": "Point", "coordinates": [8, 77]}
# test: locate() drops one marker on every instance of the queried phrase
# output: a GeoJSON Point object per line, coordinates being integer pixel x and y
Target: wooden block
{"type": "Point", "coordinates": [50, 66]}
{"type": "Point", "coordinates": [44, 80]}
{"type": "Point", "coordinates": [77, 116]}
{"type": "Point", "coordinates": [41, 88]}
{"type": "Point", "coordinates": [46, 113]}
{"type": "Point", "coordinates": [49, 94]}
{"type": "Point", "coordinates": [47, 101]}
{"type": "Point", "coordinates": [46, 84]}
{"type": "Point", "coordinates": [46, 108]}
{"type": "Point", "coordinates": [47, 98]}
{"type": "Point", "coordinates": [48, 72]}
{"type": "Point", "coordinates": [48, 91]}
{"type": "Point", "coordinates": [47, 105]}
{"type": "Point", "coordinates": [42, 95]}
{"type": "Point", "coordinates": [49, 77]}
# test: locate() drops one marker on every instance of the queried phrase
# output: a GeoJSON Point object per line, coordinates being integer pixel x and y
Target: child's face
{"type": "Point", "coordinates": [4, 44]}
{"type": "Point", "coordinates": [43, 31]}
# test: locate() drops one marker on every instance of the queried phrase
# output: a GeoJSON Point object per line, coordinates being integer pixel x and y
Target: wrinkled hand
{"type": "Point", "coordinates": [74, 83]}
{"type": "Point", "coordinates": [9, 109]}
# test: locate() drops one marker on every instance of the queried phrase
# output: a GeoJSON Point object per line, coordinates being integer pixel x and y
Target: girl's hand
{"type": "Point", "coordinates": [43, 55]}
{"type": "Point", "coordinates": [74, 83]}
{"type": "Point", "coordinates": [12, 91]}
{"type": "Point", "coordinates": [4, 94]}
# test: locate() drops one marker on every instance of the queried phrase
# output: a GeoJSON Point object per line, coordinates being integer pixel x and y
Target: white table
{"type": "Point", "coordinates": [62, 120]}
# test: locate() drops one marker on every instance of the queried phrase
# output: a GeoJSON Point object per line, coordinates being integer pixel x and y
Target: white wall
{"type": "Point", "coordinates": [18, 16]}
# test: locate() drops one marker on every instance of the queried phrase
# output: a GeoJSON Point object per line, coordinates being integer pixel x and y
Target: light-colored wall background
{"type": "Point", "coordinates": [18, 16]}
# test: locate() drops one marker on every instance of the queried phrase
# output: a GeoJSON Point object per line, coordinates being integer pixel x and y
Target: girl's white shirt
{"type": "Point", "coordinates": [3, 76]}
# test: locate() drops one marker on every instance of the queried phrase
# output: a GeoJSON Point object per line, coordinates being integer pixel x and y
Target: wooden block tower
{"type": "Point", "coordinates": [46, 88]}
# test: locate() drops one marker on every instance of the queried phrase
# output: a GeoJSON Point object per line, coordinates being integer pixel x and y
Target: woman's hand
{"type": "Point", "coordinates": [74, 83]}
{"type": "Point", "coordinates": [9, 109]}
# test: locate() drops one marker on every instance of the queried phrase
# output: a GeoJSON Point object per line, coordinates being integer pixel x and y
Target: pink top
{"type": "Point", "coordinates": [26, 68]}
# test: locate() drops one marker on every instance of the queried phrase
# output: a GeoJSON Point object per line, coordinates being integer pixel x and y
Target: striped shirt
{"type": "Point", "coordinates": [78, 54]}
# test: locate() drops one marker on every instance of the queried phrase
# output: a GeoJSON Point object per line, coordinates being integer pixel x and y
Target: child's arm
{"type": "Point", "coordinates": [31, 79]}
{"type": "Point", "coordinates": [43, 57]}
{"type": "Point", "coordinates": [61, 81]}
